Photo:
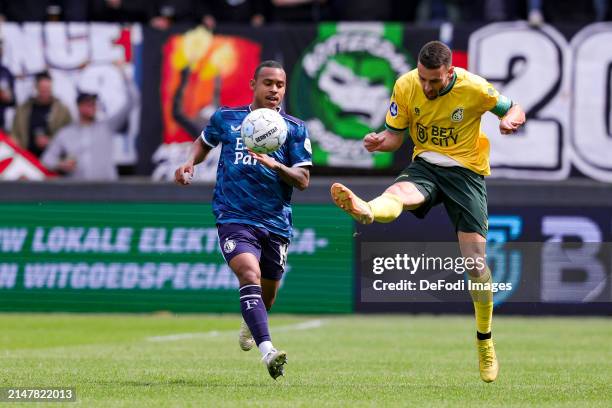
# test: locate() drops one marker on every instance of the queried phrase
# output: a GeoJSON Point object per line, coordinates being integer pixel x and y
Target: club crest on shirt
{"type": "Point", "coordinates": [417, 111]}
{"type": "Point", "coordinates": [457, 115]}
{"type": "Point", "coordinates": [393, 109]}
{"type": "Point", "coordinates": [229, 246]}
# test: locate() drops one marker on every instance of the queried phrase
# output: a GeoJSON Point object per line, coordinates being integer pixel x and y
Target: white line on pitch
{"type": "Point", "coordinates": [307, 325]}
{"type": "Point", "coordinates": [184, 336]}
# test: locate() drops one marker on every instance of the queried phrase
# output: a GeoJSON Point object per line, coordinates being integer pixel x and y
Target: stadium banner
{"type": "Point", "coordinates": [341, 86]}
{"type": "Point", "coordinates": [79, 57]}
{"type": "Point", "coordinates": [562, 79]}
{"type": "Point", "coordinates": [139, 257]}
{"type": "Point", "coordinates": [340, 94]}
{"type": "Point", "coordinates": [340, 77]}
{"type": "Point", "coordinates": [543, 260]}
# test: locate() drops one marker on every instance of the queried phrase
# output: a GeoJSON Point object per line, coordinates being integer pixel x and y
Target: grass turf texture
{"type": "Point", "coordinates": [344, 361]}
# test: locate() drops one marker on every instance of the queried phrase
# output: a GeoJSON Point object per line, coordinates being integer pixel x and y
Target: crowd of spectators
{"type": "Point", "coordinates": [78, 148]}
{"type": "Point", "coordinates": [162, 14]}
{"type": "Point", "coordinates": [83, 150]}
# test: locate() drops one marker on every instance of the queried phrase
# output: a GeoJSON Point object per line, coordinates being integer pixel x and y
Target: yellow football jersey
{"type": "Point", "coordinates": [449, 124]}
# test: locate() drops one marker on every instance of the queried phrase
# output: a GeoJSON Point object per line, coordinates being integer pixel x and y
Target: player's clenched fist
{"type": "Point", "coordinates": [184, 174]}
{"type": "Point", "coordinates": [372, 141]}
{"type": "Point", "coordinates": [508, 127]}
{"type": "Point", "coordinates": [514, 119]}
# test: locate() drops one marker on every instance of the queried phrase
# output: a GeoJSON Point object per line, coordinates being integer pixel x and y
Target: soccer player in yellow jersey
{"type": "Point", "coordinates": [441, 106]}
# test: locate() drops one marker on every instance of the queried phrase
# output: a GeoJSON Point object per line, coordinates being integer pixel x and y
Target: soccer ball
{"type": "Point", "coordinates": [264, 130]}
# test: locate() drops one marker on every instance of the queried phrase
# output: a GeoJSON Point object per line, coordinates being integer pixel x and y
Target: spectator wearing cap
{"type": "Point", "coordinates": [84, 150]}
{"type": "Point", "coordinates": [38, 119]}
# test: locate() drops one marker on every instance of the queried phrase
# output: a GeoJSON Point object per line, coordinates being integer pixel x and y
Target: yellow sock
{"type": "Point", "coordinates": [483, 303]}
{"type": "Point", "coordinates": [386, 207]}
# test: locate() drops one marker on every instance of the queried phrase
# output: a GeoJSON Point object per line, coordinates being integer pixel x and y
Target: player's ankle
{"type": "Point", "coordinates": [265, 347]}
{"type": "Point", "coordinates": [483, 336]}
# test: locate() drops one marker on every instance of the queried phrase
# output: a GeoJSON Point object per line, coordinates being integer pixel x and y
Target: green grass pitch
{"type": "Point", "coordinates": [421, 361]}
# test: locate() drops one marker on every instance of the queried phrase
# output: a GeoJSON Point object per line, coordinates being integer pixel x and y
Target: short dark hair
{"type": "Point", "coordinates": [42, 75]}
{"type": "Point", "coordinates": [434, 54]}
{"type": "Point", "coordinates": [267, 64]}
{"type": "Point", "coordinates": [86, 97]}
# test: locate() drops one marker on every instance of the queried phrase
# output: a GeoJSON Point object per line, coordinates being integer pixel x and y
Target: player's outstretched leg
{"type": "Point", "coordinates": [349, 202]}
{"type": "Point", "coordinates": [384, 208]}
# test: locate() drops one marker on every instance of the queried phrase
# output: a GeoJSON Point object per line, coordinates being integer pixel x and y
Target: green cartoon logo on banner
{"type": "Point", "coordinates": [341, 88]}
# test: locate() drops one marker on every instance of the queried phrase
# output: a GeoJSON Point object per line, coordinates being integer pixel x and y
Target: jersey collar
{"type": "Point", "coordinates": [449, 86]}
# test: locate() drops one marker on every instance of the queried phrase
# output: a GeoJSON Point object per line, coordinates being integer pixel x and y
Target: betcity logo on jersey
{"type": "Point", "coordinates": [436, 135]}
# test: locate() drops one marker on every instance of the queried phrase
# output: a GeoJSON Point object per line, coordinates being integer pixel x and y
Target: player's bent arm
{"type": "Point", "coordinates": [197, 154]}
{"type": "Point", "coordinates": [298, 177]}
{"type": "Point", "coordinates": [393, 140]}
{"type": "Point", "coordinates": [385, 141]}
{"type": "Point", "coordinates": [199, 150]}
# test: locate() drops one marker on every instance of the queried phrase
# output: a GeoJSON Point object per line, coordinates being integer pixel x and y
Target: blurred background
{"type": "Point", "coordinates": [101, 227]}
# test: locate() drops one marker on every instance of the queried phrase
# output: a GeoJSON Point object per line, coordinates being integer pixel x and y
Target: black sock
{"type": "Point", "coordinates": [483, 336]}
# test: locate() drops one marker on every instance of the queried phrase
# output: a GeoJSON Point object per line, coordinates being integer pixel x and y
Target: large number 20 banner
{"type": "Point", "coordinates": [564, 86]}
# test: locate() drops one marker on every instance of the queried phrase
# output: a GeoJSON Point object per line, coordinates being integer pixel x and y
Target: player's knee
{"type": "Point", "coordinates": [395, 189]}
{"type": "Point", "coordinates": [248, 276]}
{"type": "Point", "coordinates": [474, 255]}
{"type": "Point", "coordinates": [246, 269]}
{"type": "Point", "coordinates": [411, 197]}
{"type": "Point", "coordinates": [475, 266]}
